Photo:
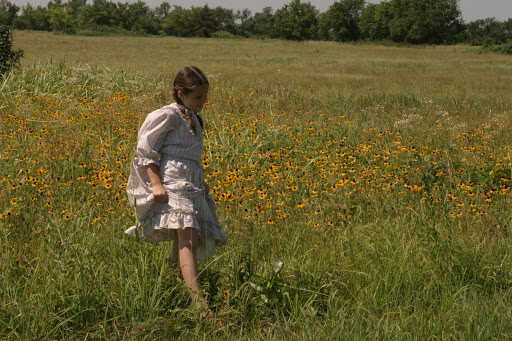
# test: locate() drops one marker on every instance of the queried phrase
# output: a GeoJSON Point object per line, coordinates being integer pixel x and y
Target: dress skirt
{"type": "Point", "coordinates": [188, 206]}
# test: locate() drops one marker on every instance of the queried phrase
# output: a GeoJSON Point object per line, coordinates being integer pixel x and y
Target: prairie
{"type": "Point", "coordinates": [378, 175]}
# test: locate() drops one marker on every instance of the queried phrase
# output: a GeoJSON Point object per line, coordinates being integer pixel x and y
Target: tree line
{"type": "Point", "coordinates": [400, 21]}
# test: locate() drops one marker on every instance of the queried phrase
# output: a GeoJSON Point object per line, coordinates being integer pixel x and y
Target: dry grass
{"type": "Point", "coordinates": [440, 73]}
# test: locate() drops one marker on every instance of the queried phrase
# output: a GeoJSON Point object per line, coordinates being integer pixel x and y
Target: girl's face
{"type": "Point", "coordinates": [196, 99]}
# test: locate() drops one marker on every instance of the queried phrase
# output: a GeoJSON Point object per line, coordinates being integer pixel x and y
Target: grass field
{"type": "Point", "coordinates": [379, 175]}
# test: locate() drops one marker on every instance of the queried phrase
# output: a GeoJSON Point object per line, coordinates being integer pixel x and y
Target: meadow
{"type": "Point", "coordinates": [379, 175]}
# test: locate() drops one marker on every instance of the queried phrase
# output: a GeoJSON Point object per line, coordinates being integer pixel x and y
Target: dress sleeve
{"type": "Point", "coordinates": [152, 136]}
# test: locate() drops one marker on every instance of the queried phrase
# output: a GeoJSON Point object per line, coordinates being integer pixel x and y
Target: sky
{"type": "Point", "coordinates": [471, 9]}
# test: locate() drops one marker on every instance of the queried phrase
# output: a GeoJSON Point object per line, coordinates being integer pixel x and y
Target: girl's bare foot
{"type": "Point", "coordinates": [207, 314]}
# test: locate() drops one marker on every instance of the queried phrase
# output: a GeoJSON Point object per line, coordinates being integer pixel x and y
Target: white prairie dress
{"type": "Point", "coordinates": [167, 139]}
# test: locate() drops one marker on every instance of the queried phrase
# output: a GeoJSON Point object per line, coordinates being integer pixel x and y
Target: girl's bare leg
{"type": "Point", "coordinates": [175, 259]}
{"type": "Point", "coordinates": [188, 262]}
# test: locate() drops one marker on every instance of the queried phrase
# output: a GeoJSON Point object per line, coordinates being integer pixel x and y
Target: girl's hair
{"type": "Point", "coordinates": [186, 79]}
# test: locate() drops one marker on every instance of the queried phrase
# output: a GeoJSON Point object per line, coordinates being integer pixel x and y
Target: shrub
{"type": "Point", "coordinates": [103, 31]}
{"type": "Point", "coordinates": [9, 58]}
{"type": "Point", "coordinates": [223, 35]}
{"type": "Point", "coordinates": [503, 49]}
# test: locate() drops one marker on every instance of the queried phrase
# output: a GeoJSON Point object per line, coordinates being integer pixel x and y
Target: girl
{"type": "Point", "coordinates": [166, 185]}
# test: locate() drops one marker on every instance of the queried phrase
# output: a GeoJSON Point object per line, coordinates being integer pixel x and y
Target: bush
{"type": "Point", "coordinates": [104, 31]}
{"type": "Point", "coordinates": [9, 58]}
{"type": "Point", "coordinates": [223, 35]}
{"type": "Point", "coordinates": [503, 49]}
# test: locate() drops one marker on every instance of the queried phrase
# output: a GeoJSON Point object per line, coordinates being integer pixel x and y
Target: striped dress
{"type": "Point", "coordinates": [167, 139]}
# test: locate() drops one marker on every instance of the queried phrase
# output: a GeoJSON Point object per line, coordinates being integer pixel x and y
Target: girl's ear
{"type": "Point", "coordinates": [180, 95]}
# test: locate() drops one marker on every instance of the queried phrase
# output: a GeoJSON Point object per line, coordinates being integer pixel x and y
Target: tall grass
{"type": "Point", "coordinates": [379, 176]}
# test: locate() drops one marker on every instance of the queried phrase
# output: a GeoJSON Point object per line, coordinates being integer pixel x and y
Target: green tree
{"type": "Point", "coordinates": [177, 22]}
{"type": "Point", "coordinates": [74, 7]}
{"type": "Point", "coordinates": [297, 21]}
{"type": "Point", "coordinates": [340, 21]}
{"type": "Point", "coordinates": [507, 30]}
{"type": "Point", "coordinates": [101, 14]}
{"type": "Point", "coordinates": [193, 22]}
{"type": "Point", "coordinates": [138, 17]}
{"type": "Point", "coordinates": [487, 31]}
{"type": "Point", "coordinates": [9, 57]}
{"type": "Point", "coordinates": [60, 20]}
{"type": "Point", "coordinates": [433, 22]}
{"type": "Point", "coordinates": [163, 11]}
{"type": "Point", "coordinates": [225, 19]}
{"type": "Point", "coordinates": [203, 21]}
{"type": "Point", "coordinates": [8, 12]}
{"type": "Point", "coordinates": [33, 19]}
{"type": "Point", "coordinates": [262, 24]}
{"type": "Point", "coordinates": [243, 17]}
{"type": "Point", "coordinates": [374, 22]}
{"type": "Point", "coordinates": [507, 25]}
{"type": "Point", "coordinates": [413, 21]}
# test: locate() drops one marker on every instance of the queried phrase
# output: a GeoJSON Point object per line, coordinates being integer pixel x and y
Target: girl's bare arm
{"type": "Point", "coordinates": [159, 193]}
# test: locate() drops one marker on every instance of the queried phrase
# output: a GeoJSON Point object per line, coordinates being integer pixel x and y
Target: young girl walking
{"type": "Point", "coordinates": [166, 185]}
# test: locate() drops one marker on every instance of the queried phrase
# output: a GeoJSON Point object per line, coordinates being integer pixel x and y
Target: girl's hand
{"type": "Point", "coordinates": [159, 193]}
{"type": "Point", "coordinates": [206, 188]}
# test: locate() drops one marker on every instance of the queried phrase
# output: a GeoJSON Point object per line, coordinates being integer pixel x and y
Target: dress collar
{"type": "Point", "coordinates": [180, 106]}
